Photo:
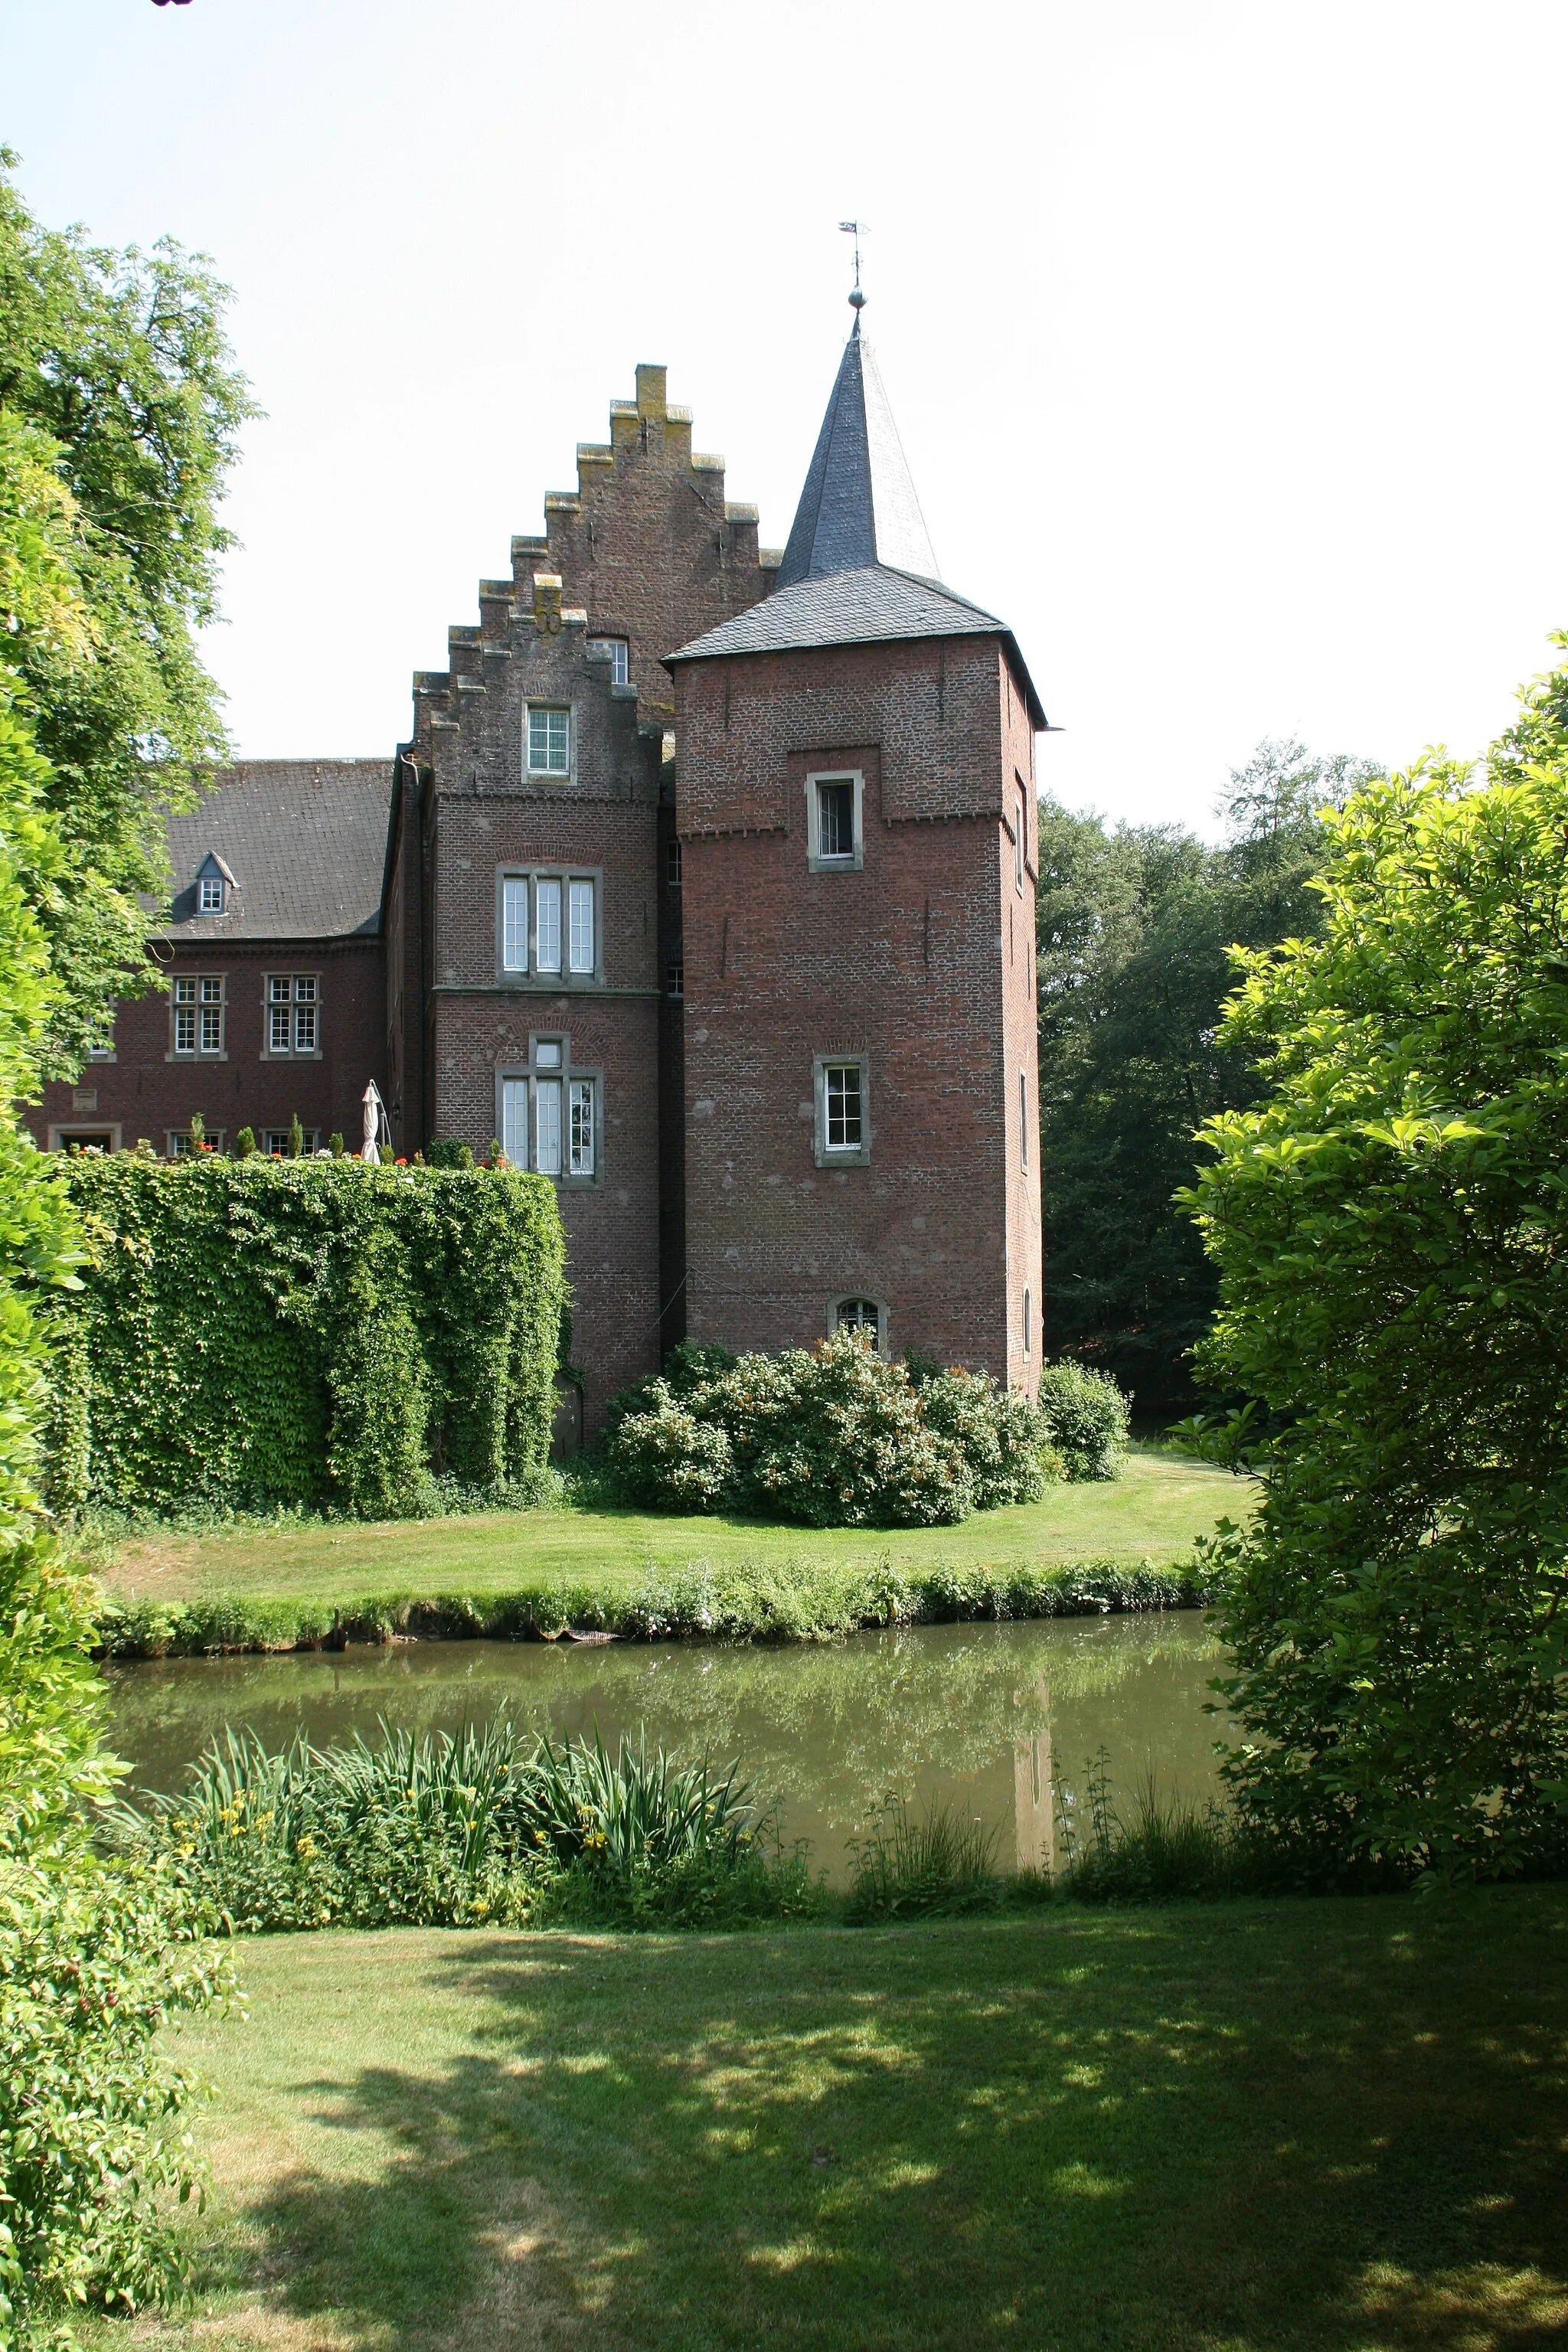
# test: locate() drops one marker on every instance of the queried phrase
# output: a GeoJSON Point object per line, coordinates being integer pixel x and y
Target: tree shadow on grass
{"type": "Point", "coordinates": [1254, 2129]}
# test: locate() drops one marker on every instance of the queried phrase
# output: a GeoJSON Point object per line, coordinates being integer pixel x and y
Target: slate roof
{"type": "Point", "coordinates": [873, 604]}
{"type": "Point", "coordinates": [305, 841]}
{"type": "Point", "coordinates": [858, 506]}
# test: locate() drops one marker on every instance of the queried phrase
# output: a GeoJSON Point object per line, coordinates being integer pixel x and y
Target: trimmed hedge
{"type": "Point", "coordinates": [306, 1332]}
{"type": "Point", "coordinates": [796, 1600]}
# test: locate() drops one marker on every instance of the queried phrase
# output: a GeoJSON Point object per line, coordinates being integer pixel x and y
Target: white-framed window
{"type": "Point", "coordinates": [293, 1013]}
{"type": "Point", "coordinates": [833, 840]}
{"type": "Point", "coordinates": [210, 895]}
{"type": "Point", "coordinates": [102, 1047]}
{"type": "Point", "coordinates": [548, 1116]}
{"type": "Point", "coordinates": [843, 1110]}
{"type": "Point", "coordinates": [549, 738]}
{"type": "Point", "coordinates": [180, 1145]}
{"type": "Point", "coordinates": [548, 925]}
{"type": "Point", "coordinates": [617, 653]}
{"type": "Point", "coordinates": [867, 1315]}
{"type": "Point", "coordinates": [197, 1007]}
{"type": "Point", "coordinates": [672, 862]}
{"type": "Point", "coordinates": [276, 1139]}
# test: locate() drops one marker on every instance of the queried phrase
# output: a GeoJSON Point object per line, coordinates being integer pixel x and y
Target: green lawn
{"type": "Point", "coordinates": [1155, 1510]}
{"type": "Point", "coordinates": [1246, 2127]}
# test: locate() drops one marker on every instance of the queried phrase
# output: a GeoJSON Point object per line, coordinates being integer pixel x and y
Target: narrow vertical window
{"type": "Point", "coordinates": [305, 1013]}
{"type": "Point", "coordinates": [1028, 1325]}
{"type": "Point", "coordinates": [581, 897]}
{"type": "Point", "coordinates": [672, 864]}
{"type": "Point", "coordinates": [547, 1126]}
{"type": "Point", "coordinates": [547, 925]}
{"type": "Point", "coordinates": [514, 925]}
{"type": "Point", "coordinates": [842, 1085]}
{"type": "Point", "coordinates": [185, 1017]}
{"type": "Point", "coordinates": [212, 1016]}
{"type": "Point", "coordinates": [1021, 842]}
{"type": "Point", "coordinates": [581, 1138]}
{"type": "Point", "coordinates": [836, 820]}
{"type": "Point", "coordinates": [515, 1120]}
{"type": "Point", "coordinates": [1023, 1120]}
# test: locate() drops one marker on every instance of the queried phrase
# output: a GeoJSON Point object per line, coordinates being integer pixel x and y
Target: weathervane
{"type": "Point", "coordinates": [856, 229]}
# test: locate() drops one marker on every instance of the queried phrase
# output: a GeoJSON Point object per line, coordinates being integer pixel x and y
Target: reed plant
{"type": "Point", "coordinates": [458, 1830]}
{"type": "Point", "coordinates": [910, 1866]}
{"type": "Point", "coordinates": [1166, 1847]}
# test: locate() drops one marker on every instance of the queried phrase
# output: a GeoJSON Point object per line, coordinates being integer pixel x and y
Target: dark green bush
{"type": "Point", "coordinates": [311, 1332]}
{"type": "Point", "coordinates": [1086, 1419]}
{"type": "Point", "coordinates": [449, 1151]}
{"type": "Point", "coordinates": [830, 1437]}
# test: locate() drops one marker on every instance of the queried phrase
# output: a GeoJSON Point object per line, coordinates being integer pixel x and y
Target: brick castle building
{"type": "Point", "coordinates": [705, 882]}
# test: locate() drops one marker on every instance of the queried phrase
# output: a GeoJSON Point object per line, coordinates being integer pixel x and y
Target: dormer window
{"type": "Point", "coordinates": [214, 883]}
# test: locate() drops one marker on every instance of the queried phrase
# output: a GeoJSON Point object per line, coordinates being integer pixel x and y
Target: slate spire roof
{"type": "Point", "coordinates": [858, 506]}
{"type": "Point", "coordinates": [858, 569]}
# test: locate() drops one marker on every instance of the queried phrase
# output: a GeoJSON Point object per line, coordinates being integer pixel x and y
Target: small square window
{"type": "Point", "coordinates": [617, 653]}
{"type": "Point", "coordinates": [861, 1315]}
{"type": "Point", "coordinates": [547, 1054]}
{"type": "Point", "coordinates": [549, 741]}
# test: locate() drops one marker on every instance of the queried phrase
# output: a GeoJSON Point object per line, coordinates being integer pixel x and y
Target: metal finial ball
{"type": "Point", "coordinates": [857, 300]}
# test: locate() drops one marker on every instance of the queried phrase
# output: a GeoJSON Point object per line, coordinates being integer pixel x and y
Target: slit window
{"type": "Point", "coordinates": [672, 864]}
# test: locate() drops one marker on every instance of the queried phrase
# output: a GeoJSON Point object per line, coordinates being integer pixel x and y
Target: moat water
{"type": "Point", "coordinates": [991, 1719]}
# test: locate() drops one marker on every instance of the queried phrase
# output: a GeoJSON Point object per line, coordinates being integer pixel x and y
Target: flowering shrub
{"type": "Point", "coordinates": [832, 1436]}
{"type": "Point", "coordinates": [1085, 1415]}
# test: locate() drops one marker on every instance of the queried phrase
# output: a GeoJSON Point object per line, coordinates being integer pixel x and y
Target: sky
{"type": "Point", "coordinates": [1224, 336]}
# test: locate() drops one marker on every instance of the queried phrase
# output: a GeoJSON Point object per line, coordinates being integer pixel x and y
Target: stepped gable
{"type": "Point", "coordinates": [647, 546]}
{"type": "Point", "coordinates": [304, 842]}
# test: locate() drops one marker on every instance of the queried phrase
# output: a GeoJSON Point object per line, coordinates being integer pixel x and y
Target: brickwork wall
{"type": "Point", "coordinates": [904, 963]}
{"type": "Point", "coordinates": [482, 811]}
{"type": "Point", "coordinates": [646, 544]}
{"type": "Point", "coordinates": [145, 1092]}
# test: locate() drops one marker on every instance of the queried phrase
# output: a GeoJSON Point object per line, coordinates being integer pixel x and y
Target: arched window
{"type": "Point", "coordinates": [859, 1315]}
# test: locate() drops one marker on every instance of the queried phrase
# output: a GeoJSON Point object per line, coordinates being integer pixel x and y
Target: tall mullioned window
{"type": "Point", "coordinates": [549, 926]}
{"type": "Point", "coordinates": [549, 741]}
{"type": "Point", "coordinates": [548, 1114]}
{"type": "Point", "coordinates": [293, 1013]}
{"type": "Point", "coordinates": [198, 1014]}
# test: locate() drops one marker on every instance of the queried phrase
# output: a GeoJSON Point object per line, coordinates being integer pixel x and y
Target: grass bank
{"type": "Point", "coordinates": [537, 1574]}
{"type": "Point", "coordinates": [1324, 2126]}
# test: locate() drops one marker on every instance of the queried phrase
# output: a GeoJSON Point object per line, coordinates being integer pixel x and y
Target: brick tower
{"type": "Point", "coordinates": [856, 813]}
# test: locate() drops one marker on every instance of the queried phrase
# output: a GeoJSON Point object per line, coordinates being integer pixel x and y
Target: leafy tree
{"type": "Point", "coordinates": [1391, 1229]}
{"type": "Point", "coordinates": [1135, 931]}
{"type": "Point", "coordinates": [88, 1966]}
{"type": "Point", "coordinates": [120, 407]}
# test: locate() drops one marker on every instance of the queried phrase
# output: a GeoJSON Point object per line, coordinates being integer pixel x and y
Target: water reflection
{"type": "Point", "coordinates": [987, 1717]}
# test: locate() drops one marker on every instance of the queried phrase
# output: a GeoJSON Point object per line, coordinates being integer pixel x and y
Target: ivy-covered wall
{"type": "Point", "coordinates": [315, 1332]}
